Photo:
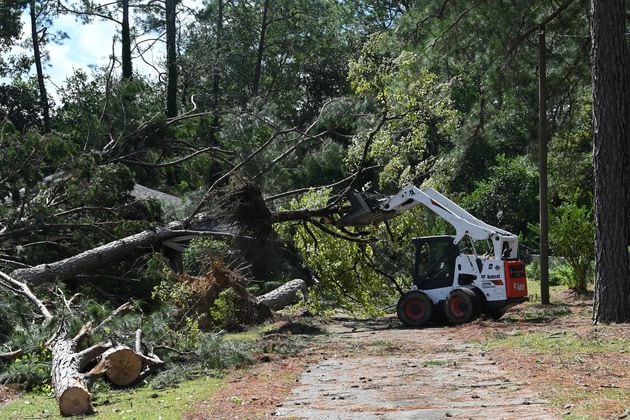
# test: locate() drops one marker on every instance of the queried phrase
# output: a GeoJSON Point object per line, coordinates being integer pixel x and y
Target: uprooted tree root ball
{"type": "Point", "coordinates": [243, 205]}
{"type": "Point", "coordinates": [219, 299]}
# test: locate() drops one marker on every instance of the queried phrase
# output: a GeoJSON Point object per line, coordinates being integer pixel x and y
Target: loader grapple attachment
{"type": "Point", "coordinates": [365, 210]}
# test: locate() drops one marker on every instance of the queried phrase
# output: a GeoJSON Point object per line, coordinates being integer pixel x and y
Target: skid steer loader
{"type": "Point", "coordinates": [449, 276]}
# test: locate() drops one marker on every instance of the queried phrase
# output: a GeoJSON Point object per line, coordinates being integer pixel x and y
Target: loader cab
{"type": "Point", "coordinates": [434, 264]}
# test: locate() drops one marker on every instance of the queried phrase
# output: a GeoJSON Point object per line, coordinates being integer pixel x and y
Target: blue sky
{"type": "Point", "coordinates": [88, 45]}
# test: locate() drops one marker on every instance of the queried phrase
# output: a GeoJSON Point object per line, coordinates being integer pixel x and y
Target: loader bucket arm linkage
{"type": "Point", "coordinates": [371, 208]}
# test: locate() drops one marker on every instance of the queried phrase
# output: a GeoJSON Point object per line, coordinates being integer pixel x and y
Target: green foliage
{"type": "Point", "coordinates": [31, 370]}
{"type": "Point", "coordinates": [350, 273]}
{"type": "Point", "coordinates": [508, 197]}
{"type": "Point", "coordinates": [572, 236]}
{"type": "Point", "coordinates": [571, 159]}
{"type": "Point", "coordinates": [562, 274]}
{"type": "Point", "coordinates": [200, 253]}
{"type": "Point", "coordinates": [18, 104]}
{"type": "Point", "coordinates": [169, 290]}
{"type": "Point", "coordinates": [224, 310]}
{"type": "Point", "coordinates": [418, 108]}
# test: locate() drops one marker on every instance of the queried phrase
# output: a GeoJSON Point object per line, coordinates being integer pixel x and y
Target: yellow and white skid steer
{"type": "Point", "coordinates": [449, 274]}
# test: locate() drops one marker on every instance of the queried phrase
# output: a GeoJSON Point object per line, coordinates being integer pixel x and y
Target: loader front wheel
{"type": "Point", "coordinates": [414, 309]}
{"type": "Point", "coordinates": [462, 306]}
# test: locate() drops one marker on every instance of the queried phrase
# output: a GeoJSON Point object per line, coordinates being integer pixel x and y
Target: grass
{"type": "Point", "coordinates": [137, 403]}
{"type": "Point", "coordinates": [561, 341]}
{"type": "Point", "coordinates": [250, 335]}
{"type": "Point", "coordinates": [574, 403]}
{"type": "Point", "coordinates": [142, 402]}
{"type": "Point", "coordinates": [558, 344]}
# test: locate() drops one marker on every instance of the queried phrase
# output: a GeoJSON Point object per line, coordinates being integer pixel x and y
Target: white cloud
{"type": "Point", "coordinates": [89, 45]}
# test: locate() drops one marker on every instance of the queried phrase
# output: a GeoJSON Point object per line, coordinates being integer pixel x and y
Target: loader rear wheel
{"type": "Point", "coordinates": [462, 306]}
{"type": "Point", "coordinates": [414, 309]}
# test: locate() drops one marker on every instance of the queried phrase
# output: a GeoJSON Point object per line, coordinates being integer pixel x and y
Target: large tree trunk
{"type": "Point", "coordinates": [93, 258]}
{"type": "Point", "coordinates": [611, 158]}
{"type": "Point", "coordinates": [125, 34]}
{"type": "Point", "coordinates": [70, 386]}
{"type": "Point", "coordinates": [117, 250]}
{"type": "Point", "coordinates": [171, 59]}
{"type": "Point", "coordinates": [261, 49]}
{"type": "Point", "coordinates": [216, 73]}
{"type": "Point", "coordinates": [37, 57]}
{"type": "Point", "coordinates": [120, 364]}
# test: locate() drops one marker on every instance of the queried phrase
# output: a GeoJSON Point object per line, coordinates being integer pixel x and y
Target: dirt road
{"type": "Point", "coordinates": [378, 370]}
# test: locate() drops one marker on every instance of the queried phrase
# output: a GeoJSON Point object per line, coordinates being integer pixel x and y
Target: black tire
{"type": "Point", "coordinates": [439, 316]}
{"type": "Point", "coordinates": [462, 306]}
{"type": "Point", "coordinates": [495, 314]}
{"type": "Point", "coordinates": [414, 309]}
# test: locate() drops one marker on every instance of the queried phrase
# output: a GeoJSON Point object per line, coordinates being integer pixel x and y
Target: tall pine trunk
{"type": "Point", "coordinates": [216, 74]}
{"type": "Point", "coordinates": [611, 159]}
{"type": "Point", "coordinates": [171, 59]}
{"type": "Point", "coordinates": [127, 69]}
{"type": "Point", "coordinates": [37, 56]}
{"type": "Point", "coordinates": [261, 50]}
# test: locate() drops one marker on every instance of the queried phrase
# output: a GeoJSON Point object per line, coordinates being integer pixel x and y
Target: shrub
{"type": "Point", "coordinates": [572, 235]}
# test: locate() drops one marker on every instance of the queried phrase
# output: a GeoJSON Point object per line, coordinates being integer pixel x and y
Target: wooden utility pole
{"type": "Point", "coordinates": [542, 168]}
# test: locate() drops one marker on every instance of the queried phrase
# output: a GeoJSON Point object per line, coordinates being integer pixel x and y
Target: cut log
{"type": "Point", "coordinates": [283, 296]}
{"type": "Point", "coordinates": [121, 365]}
{"type": "Point", "coordinates": [71, 388]}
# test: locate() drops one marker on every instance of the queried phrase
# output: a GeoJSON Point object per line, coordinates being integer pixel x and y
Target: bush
{"type": "Point", "coordinates": [224, 311]}
{"type": "Point", "coordinates": [507, 199]}
{"type": "Point", "coordinates": [572, 235]}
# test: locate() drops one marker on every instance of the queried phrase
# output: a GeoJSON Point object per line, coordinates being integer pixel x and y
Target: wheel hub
{"type": "Point", "coordinates": [414, 309]}
{"type": "Point", "coordinates": [458, 306]}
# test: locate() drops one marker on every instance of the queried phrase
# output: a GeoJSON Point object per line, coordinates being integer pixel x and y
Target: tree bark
{"type": "Point", "coordinates": [171, 59]}
{"type": "Point", "coordinates": [120, 249]}
{"type": "Point", "coordinates": [92, 259]}
{"type": "Point", "coordinates": [261, 50]}
{"type": "Point", "coordinates": [611, 159]}
{"type": "Point", "coordinates": [37, 57]}
{"type": "Point", "coordinates": [542, 168]}
{"type": "Point", "coordinates": [125, 34]}
{"type": "Point", "coordinates": [70, 385]}
{"type": "Point", "coordinates": [283, 296]}
{"type": "Point", "coordinates": [216, 74]}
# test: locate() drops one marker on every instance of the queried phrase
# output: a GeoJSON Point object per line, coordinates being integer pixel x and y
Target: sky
{"type": "Point", "coordinates": [88, 45]}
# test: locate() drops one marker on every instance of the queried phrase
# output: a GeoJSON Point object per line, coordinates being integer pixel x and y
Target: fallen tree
{"type": "Point", "coordinates": [93, 259]}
